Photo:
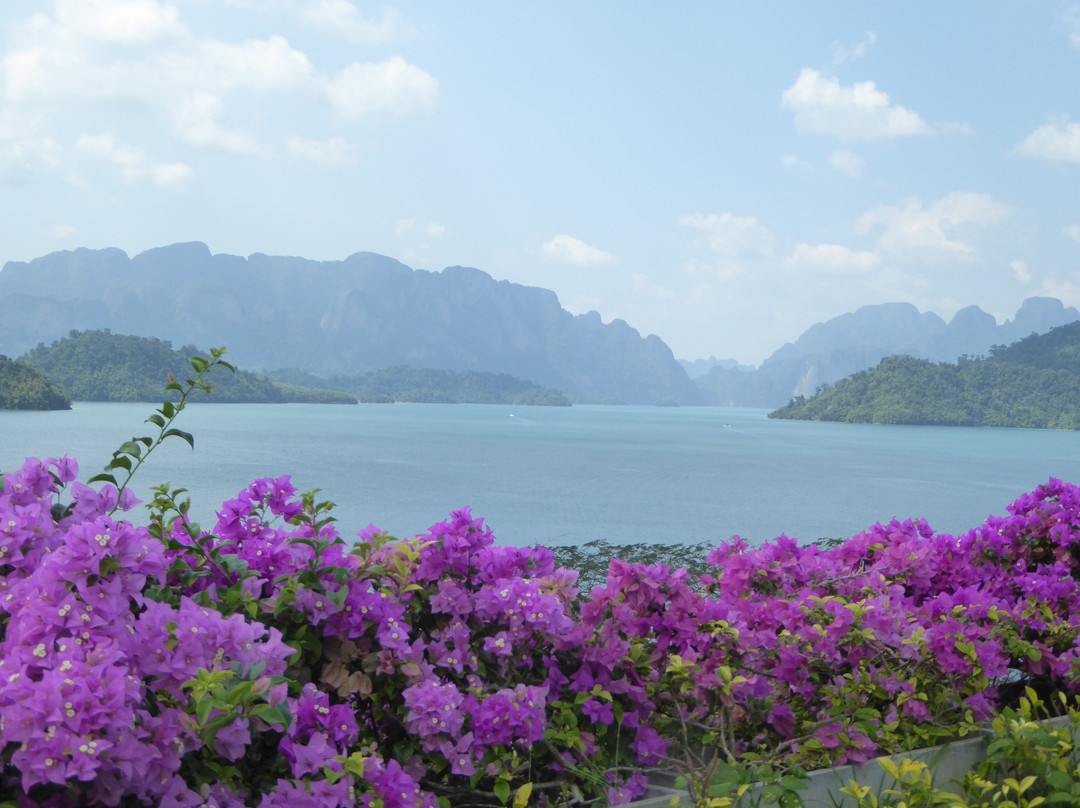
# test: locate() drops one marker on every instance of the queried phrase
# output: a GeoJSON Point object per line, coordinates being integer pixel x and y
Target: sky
{"type": "Point", "coordinates": [721, 174]}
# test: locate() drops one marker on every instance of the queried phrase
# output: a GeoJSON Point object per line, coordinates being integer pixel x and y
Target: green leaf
{"type": "Point", "coordinates": [240, 692]}
{"type": "Point", "coordinates": [502, 791]}
{"type": "Point", "coordinates": [521, 798]}
{"type": "Point", "coordinates": [1059, 779]}
{"type": "Point", "coordinates": [179, 433]}
{"type": "Point", "coordinates": [273, 714]}
{"type": "Point", "coordinates": [120, 462]}
{"type": "Point", "coordinates": [103, 478]}
{"type": "Point", "coordinates": [793, 783]}
{"type": "Point", "coordinates": [202, 710]}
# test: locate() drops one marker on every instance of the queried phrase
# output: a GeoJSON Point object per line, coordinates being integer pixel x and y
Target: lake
{"type": "Point", "coordinates": [568, 475]}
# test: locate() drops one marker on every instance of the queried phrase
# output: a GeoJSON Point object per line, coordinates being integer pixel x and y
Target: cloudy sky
{"type": "Point", "coordinates": [721, 174]}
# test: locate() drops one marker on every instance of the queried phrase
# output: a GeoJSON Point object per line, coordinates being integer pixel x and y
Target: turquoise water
{"type": "Point", "coordinates": [567, 475]}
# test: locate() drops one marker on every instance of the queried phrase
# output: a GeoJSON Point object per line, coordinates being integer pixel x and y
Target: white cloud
{"type": "Point", "coordinates": [732, 242]}
{"type": "Point", "coordinates": [574, 251]}
{"type": "Point", "coordinates": [135, 164]}
{"type": "Point", "coordinates": [911, 226]}
{"type": "Point", "coordinates": [859, 112]}
{"type": "Point", "coordinates": [196, 121]}
{"type": "Point", "coordinates": [834, 259]}
{"type": "Point", "coordinates": [731, 236]}
{"type": "Point", "coordinates": [116, 22]}
{"type": "Point", "coordinates": [847, 163]}
{"type": "Point", "coordinates": [1020, 270]}
{"type": "Point", "coordinates": [334, 151]}
{"type": "Point", "coordinates": [137, 55]}
{"type": "Point", "coordinates": [90, 50]}
{"type": "Point", "coordinates": [263, 65]}
{"type": "Point", "coordinates": [171, 175]}
{"type": "Point", "coordinates": [341, 18]}
{"type": "Point", "coordinates": [842, 54]}
{"type": "Point", "coordinates": [1059, 140]}
{"type": "Point", "coordinates": [1072, 231]}
{"type": "Point", "coordinates": [393, 86]}
{"type": "Point", "coordinates": [1069, 20]}
{"type": "Point", "coordinates": [1067, 290]}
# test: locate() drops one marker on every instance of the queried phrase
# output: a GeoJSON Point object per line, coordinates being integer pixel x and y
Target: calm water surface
{"type": "Point", "coordinates": [567, 475]}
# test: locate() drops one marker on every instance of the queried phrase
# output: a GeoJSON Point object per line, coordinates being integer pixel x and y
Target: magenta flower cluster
{"type": "Point", "coordinates": [267, 662]}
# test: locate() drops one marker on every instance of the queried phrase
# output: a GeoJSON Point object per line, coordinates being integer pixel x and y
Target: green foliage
{"type": "Point", "coordinates": [905, 390]}
{"type": "Point", "coordinates": [1058, 349]}
{"type": "Point", "coordinates": [295, 394]}
{"type": "Point", "coordinates": [427, 386]}
{"type": "Point", "coordinates": [24, 388]}
{"type": "Point", "coordinates": [1026, 749]}
{"type": "Point", "coordinates": [101, 366]}
{"type": "Point", "coordinates": [1029, 762]}
{"type": "Point", "coordinates": [133, 453]}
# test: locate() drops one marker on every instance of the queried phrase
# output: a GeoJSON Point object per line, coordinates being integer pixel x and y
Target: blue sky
{"type": "Point", "coordinates": [723, 175]}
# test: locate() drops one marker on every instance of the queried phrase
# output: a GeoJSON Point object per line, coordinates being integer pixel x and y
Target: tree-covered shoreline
{"type": "Point", "coordinates": [102, 366]}
{"type": "Point", "coordinates": [429, 386]}
{"type": "Point", "coordinates": [1033, 383]}
{"type": "Point", "coordinates": [24, 388]}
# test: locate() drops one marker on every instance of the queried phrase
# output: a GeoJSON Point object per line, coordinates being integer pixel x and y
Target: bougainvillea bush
{"type": "Point", "coordinates": [266, 661]}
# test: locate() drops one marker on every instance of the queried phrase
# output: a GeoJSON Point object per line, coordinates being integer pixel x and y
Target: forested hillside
{"type": "Point", "coordinates": [1033, 383]}
{"type": "Point", "coordinates": [101, 366]}
{"type": "Point", "coordinates": [1058, 349]}
{"type": "Point", "coordinates": [429, 386]}
{"type": "Point", "coordinates": [23, 388]}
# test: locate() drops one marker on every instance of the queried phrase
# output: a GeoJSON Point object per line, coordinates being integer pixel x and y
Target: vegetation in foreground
{"type": "Point", "coordinates": [1034, 383]}
{"type": "Point", "coordinates": [266, 662]}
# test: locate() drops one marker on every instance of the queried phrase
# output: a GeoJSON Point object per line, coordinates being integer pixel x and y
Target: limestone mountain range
{"type": "Point", "coordinates": [368, 312]}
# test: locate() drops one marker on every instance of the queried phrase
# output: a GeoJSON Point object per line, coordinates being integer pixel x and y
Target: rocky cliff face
{"type": "Point", "coordinates": [364, 313]}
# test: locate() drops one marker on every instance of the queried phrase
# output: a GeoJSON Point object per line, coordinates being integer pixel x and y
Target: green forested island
{"type": "Point", "coordinates": [102, 366]}
{"type": "Point", "coordinates": [1033, 383]}
{"type": "Point", "coordinates": [427, 386]}
{"type": "Point", "coordinates": [23, 388]}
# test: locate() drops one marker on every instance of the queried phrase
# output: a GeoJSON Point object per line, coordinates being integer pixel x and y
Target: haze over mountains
{"type": "Point", "coordinates": [369, 312]}
{"type": "Point", "coordinates": [833, 350]}
{"type": "Point", "coordinates": [364, 313]}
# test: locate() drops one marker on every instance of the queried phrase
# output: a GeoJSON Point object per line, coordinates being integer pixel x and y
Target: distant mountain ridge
{"type": "Point", "coordinates": [833, 350]}
{"type": "Point", "coordinates": [369, 312]}
{"type": "Point", "coordinates": [364, 313]}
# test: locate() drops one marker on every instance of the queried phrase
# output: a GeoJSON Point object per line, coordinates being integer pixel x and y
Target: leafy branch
{"type": "Point", "coordinates": [133, 453]}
